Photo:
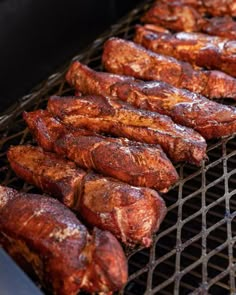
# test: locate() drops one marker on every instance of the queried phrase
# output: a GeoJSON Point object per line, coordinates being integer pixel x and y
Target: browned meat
{"type": "Point", "coordinates": [209, 118]}
{"type": "Point", "coordinates": [196, 48]}
{"type": "Point", "coordinates": [127, 58]}
{"type": "Point", "coordinates": [103, 114]}
{"type": "Point", "coordinates": [39, 231]}
{"type": "Point", "coordinates": [103, 81]}
{"type": "Point", "coordinates": [220, 26]}
{"type": "Point", "coordinates": [61, 178]}
{"type": "Point", "coordinates": [179, 17]}
{"type": "Point", "coordinates": [136, 163]}
{"type": "Point", "coordinates": [174, 16]}
{"type": "Point", "coordinates": [88, 81]}
{"type": "Point", "coordinates": [133, 214]}
{"type": "Point", "coordinates": [209, 7]}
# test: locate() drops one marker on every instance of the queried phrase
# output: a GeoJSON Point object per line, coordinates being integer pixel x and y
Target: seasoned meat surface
{"type": "Point", "coordinates": [103, 114]}
{"type": "Point", "coordinates": [172, 15]}
{"type": "Point", "coordinates": [127, 58]}
{"type": "Point", "coordinates": [198, 49]}
{"type": "Point", "coordinates": [91, 81]}
{"type": "Point", "coordinates": [61, 178]}
{"type": "Point", "coordinates": [220, 26]}
{"type": "Point", "coordinates": [43, 233]}
{"type": "Point", "coordinates": [136, 163]}
{"type": "Point", "coordinates": [209, 7]}
{"type": "Point", "coordinates": [179, 17]}
{"type": "Point", "coordinates": [209, 118]}
{"type": "Point", "coordinates": [133, 214]}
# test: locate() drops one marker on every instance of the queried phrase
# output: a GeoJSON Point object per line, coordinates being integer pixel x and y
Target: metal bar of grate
{"type": "Point", "coordinates": [195, 250]}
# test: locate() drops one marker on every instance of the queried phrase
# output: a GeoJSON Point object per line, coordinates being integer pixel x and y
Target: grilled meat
{"type": "Point", "coordinates": [41, 232]}
{"type": "Point", "coordinates": [209, 7]}
{"type": "Point", "coordinates": [220, 26]}
{"type": "Point", "coordinates": [60, 176]}
{"type": "Point", "coordinates": [196, 48]}
{"type": "Point", "coordinates": [132, 214]}
{"type": "Point", "coordinates": [93, 82]}
{"type": "Point", "coordinates": [209, 118]}
{"type": "Point", "coordinates": [127, 58]}
{"type": "Point", "coordinates": [179, 17]}
{"type": "Point", "coordinates": [136, 163]}
{"type": "Point", "coordinates": [173, 16]}
{"type": "Point", "coordinates": [103, 114]}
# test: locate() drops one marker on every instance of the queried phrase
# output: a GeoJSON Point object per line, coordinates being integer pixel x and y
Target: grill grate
{"type": "Point", "coordinates": [195, 250]}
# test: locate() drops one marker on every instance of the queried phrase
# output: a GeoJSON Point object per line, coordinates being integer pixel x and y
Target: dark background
{"type": "Point", "coordinates": [37, 37]}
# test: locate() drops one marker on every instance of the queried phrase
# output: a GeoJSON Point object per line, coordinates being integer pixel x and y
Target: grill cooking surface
{"type": "Point", "coordinates": [195, 250]}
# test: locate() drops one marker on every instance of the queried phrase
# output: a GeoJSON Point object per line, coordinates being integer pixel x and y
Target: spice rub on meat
{"type": "Point", "coordinates": [136, 163]}
{"type": "Point", "coordinates": [209, 118]}
{"type": "Point", "coordinates": [198, 49]}
{"type": "Point", "coordinates": [104, 114]}
{"type": "Point", "coordinates": [128, 58]}
{"type": "Point", "coordinates": [131, 213]}
{"type": "Point", "coordinates": [41, 232]}
{"type": "Point", "coordinates": [183, 17]}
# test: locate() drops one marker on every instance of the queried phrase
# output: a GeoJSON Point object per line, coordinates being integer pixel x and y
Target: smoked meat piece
{"type": "Point", "coordinates": [209, 118]}
{"type": "Point", "coordinates": [127, 58]}
{"type": "Point", "coordinates": [136, 163]}
{"type": "Point", "coordinates": [41, 232]}
{"type": "Point", "coordinates": [198, 49]}
{"type": "Point", "coordinates": [132, 214]}
{"type": "Point", "coordinates": [209, 7]}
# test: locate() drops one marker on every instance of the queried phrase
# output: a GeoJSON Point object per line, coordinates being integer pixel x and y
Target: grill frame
{"type": "Point", "coordinates": [195, 250]}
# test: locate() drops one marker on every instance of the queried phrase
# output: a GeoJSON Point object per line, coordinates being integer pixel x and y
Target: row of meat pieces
{"type": "Point", "coordinates": [212, 52]}
{"type": "Point", "coordinates": [41, 232]}
{"type": "Point", "coordinates": [49, 237]}
{"type": "Point", "coordinates": [119, 118]}
{"type": "Point", "coordinates": [133, 214]}
{"type": "Point", "coordinates": [128, 58]}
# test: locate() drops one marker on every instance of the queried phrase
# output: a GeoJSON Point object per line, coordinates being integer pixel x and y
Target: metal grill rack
{"type": "Point", "coordinates": [195, 250]}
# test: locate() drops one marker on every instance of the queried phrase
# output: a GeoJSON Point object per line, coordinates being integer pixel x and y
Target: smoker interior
{"type": "Point", "coordinates": [195, 250]}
